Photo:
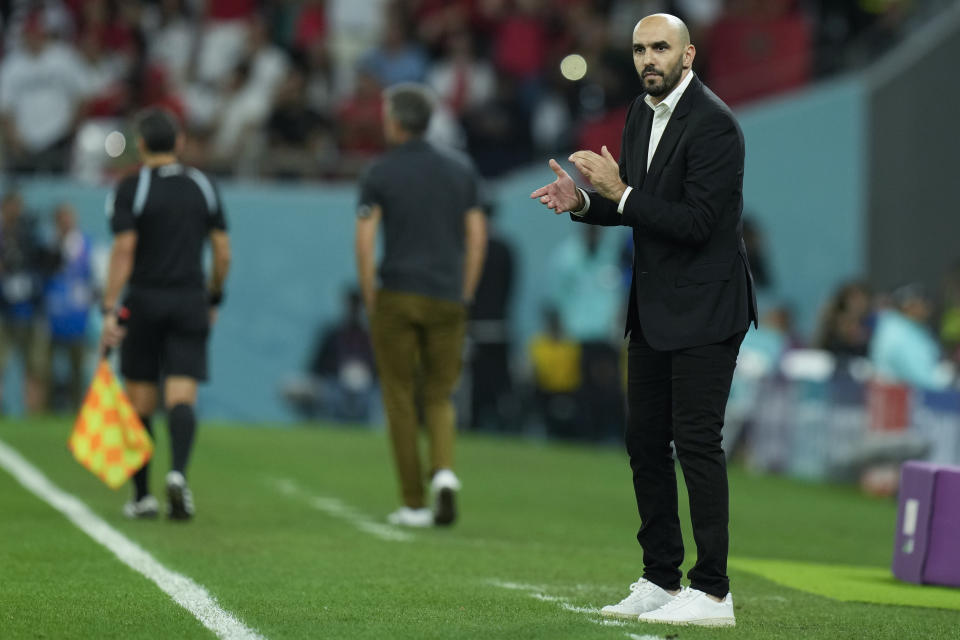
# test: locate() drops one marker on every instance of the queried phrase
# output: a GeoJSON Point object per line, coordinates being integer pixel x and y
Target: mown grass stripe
{"type": "Point", "coordinates": [184, 591]}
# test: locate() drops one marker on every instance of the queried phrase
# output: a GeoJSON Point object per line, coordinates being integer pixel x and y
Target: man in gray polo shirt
{"type": "Point", "coordinates": [434, 244]}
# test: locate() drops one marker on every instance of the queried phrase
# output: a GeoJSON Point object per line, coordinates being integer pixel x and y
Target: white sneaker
{"type": "Point", "coordinates": [407, 517]}
{"type": "Point", "coordinates": [644, 596]}
{"type": "Point", "coordinates": [179, 497]}
{"type": "Point", "coordinates": [444, 487]}
{"type": "Point", "coordinates": [694, 607]}
{"type": "Point", "coordinates": [145, 507]}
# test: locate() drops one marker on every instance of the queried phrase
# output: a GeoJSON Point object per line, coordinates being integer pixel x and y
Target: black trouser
{"type": "Point", "coordinates": [681, 396]}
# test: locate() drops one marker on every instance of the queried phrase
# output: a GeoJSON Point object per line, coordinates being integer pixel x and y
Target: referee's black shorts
{"type": "Point", "coordinates": [167, 331]}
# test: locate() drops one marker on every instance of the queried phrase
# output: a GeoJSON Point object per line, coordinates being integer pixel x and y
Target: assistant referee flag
{"type": "Point", "coordinates": [108, 437]}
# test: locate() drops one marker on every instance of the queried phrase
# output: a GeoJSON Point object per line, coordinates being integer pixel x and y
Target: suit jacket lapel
{"type": "Point", "coordinates": [645, 127]}
{"type": "Point", "coordinates": [675, 127]}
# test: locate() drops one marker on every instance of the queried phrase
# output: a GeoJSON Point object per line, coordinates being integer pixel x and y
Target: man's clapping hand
{"type": "Point", "coordinates": [602, 171]}
{"type": "Point", "coordinates": [560, 195]}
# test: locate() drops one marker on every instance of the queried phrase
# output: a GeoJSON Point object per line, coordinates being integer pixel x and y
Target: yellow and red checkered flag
{"type": "Point", "coordinates": [108, 438]}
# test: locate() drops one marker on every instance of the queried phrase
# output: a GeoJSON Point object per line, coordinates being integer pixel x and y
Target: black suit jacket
{"type": "Point", "coordinates": [692, 284]}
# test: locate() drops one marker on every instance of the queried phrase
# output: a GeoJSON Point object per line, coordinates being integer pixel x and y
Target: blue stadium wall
{"type": "Point", "coordinates": [293, 245]}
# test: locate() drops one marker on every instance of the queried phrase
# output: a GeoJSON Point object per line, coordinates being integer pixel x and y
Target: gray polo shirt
{"type": "Point", "coordinates": [424, 195]}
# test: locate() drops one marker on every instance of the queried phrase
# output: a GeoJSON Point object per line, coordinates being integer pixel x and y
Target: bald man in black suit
{"type": "Point", "coordinates": [678, 186]}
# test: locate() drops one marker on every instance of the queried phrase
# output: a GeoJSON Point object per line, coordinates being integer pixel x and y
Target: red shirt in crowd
{"type": "Point", "coordinates": [520, 46]}
{"type": "Point", "coordinates": [231, 9]}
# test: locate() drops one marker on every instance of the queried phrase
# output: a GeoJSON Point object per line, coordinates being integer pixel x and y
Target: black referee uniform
{"type": "Point", "coordinates": [173, 208]}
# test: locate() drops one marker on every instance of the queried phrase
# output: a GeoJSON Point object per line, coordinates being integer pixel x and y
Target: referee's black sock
{"type": "Point", "coordinates": [183, 424]}
{"type": "Point", "coordinates": [140, 478]}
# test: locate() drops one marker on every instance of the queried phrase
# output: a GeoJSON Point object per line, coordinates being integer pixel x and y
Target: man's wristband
{"type": "Point", "coordinates": [108, 311]}
{"type": "Point", "coordinates": [215, 298]}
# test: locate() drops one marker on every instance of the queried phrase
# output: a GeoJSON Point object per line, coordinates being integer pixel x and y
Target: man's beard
{"type": "Point", "coordinates": [666, 83]}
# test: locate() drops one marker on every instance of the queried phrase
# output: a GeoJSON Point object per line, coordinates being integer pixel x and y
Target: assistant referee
{"type": "Point", "coordinates": [160, 218]}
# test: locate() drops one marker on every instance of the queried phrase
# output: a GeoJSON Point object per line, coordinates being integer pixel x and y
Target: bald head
{"type": "Point", "coordinates": [662, 53]}
{"type": "Point", "coordinates": [665, 22]}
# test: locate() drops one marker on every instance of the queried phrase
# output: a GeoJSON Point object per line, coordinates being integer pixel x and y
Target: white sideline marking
{"type": "Point", "coordinates": [566, 606]}
{"type": "Point", "coordinates": [338, 509]}
{"type": "Point", "coordinates": [537, 593]}
{"type": "Point", "coordinates": [184, 591]}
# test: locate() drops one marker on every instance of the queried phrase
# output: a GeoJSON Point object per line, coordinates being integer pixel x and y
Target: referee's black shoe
{"type": "Point", "coordinates": [179, 497]}
{"type": "Point", "coordinates": [144, 508]}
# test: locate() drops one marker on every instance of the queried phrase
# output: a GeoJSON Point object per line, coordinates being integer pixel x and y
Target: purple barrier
{"type": "Point", "coordinates": [928, 525]}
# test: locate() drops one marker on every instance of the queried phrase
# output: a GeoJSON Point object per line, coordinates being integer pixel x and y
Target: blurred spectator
{"type": "Point", "coordinates": [498, 131]}
{"type": "Point", "coordinates": [845, 322]}
{"type": "Point", "coordinates": [297, 134]}
{"type": "Point", "coordinates": [557, 377]}
{"type": "Point", "coordinates": [585, 285]}
{"type": "Point", "coordinates": [445, 131]}
{"type": "Point", "coordinates": [587, 292]}
{"type": "Point", "coordinates": [103, 76]}
{"type": "Point", "coordinates": [398, 58]}
{"type": "Point", "coordinates": [340, 380]}
{"type": "Point", "coordinates": [156, 90]}
{"type": "Point", "coordinates": [611, 80]}
{"type": "Point", "coordinates": [552, 118]}
{"type": "Point", "coordinates": [361, 129]}
{"type": "Point", "coordinates": [774, 336]}
{"type": "Point", "coordinates": [318, 70]}
{"type": "Point", "coordinates": [69, 297]}
{"type": "Point", "coordinates": [354, 29]}
{"type": "Point", "coordinates": [22, 262]}
{"type": "Point", "coordinates": [58, 17]}
{"type": "Point", "coordinates": [42, 91]}
{"type": "Point", "coordinates": [253, 89]}
{"type": "Point", "coordinates": [441, 21]}
{"type": "Point", "coordinates": [520, 40]}
{"type": "Point", "coordinates": [460, 79]}
{"type": "Point", "coordinates": [172, 40]}
{"type": "Point", "coordinates": [492, 401]}
{"type": "Point", "coordinates": [603, 129]}
{"type": "Point", "coordinates": [223, 40]}
{"type": "Point", "coordinates": [108, 21]}
{"type": "Point", "coordinates": [950, 315]}
{"type": "Point", "coordinates": [759, 48]}
{"type": "Point", "coordinates": [520, 48]}
{"type": "Point", "coordinates": [903, 348]}
{"type": "Point", "coordinates": [310, 24]}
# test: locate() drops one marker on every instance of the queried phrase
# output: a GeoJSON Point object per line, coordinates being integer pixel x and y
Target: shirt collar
{"type": "Point", "coordinates": [674, 97]}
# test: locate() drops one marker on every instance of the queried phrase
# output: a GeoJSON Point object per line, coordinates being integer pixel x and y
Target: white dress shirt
{"type": "Point", "coordinates": [661, 117]}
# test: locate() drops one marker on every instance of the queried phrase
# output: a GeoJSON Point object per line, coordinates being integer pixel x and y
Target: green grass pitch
{"type": "Point", "coordinates": [545, 538]}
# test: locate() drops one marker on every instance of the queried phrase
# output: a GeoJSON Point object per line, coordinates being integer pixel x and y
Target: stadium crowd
{"type": "Point", "coordinates": [291, 89]}
{"type": "Point", "coordinates": [47, 290]}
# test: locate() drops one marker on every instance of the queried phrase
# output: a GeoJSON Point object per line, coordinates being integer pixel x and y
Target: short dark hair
{"type": "Point", "coordinates": [411, 106]}
{"type": "Point", "coordinates": [158, 129]}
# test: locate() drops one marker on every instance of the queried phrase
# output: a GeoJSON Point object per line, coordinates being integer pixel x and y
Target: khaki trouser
{"type": "Point", "coordinates": [418, 341]}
